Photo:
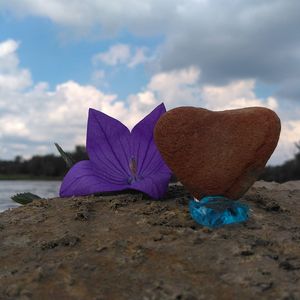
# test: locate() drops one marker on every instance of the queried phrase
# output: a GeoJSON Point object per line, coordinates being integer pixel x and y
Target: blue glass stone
{"type": "Point", "coordinates": [216, 211]}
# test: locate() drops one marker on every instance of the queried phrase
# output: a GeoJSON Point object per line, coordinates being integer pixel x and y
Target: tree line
{"type": "Point", "coordinates": [40, 166]}
{"type": "Point", "coordinates": [51, 166]}
{"type": "Point", "coordinates": [289, 170]}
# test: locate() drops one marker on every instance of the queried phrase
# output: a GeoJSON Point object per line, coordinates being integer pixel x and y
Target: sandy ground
{"type": "Point", "coordinates": [127, 246]}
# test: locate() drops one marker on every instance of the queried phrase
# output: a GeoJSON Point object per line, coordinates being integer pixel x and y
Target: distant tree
{"type": "Point", "coordinates": [41, 166]}
{"type": "Point", "coordinates": [79, 153]}
{"type": "Point", "coordinates": [289, 170]}
{"type": "Point", "coordinates": [19, 159]}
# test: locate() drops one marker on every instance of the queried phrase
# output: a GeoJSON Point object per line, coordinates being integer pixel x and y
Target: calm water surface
{"type": "Point", "coordinates": [8, 188]}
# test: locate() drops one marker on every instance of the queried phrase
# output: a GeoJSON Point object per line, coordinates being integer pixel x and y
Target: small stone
{"type": "Point", "coordinates": [217, 153]}
{"type": "Point", "coordinates": [13, 290]}
{"type": "Point", "coordinates": [217, 211]}
{"type": "Point", "coordinates": [246, 253]}
{"type": "Point", "coordinates": [101, 248]}
{"type": "Point", "coordinates": [286, 265]}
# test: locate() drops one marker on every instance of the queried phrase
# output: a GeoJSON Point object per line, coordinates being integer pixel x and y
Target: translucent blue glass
{"type": "Point", "coordinates": [217, 211]}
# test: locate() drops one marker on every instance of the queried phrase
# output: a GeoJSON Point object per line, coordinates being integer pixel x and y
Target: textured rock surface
{"type": "Point", "coordinates": [128, 247]}
{"type": "Point", "coordinates": [217, 153]}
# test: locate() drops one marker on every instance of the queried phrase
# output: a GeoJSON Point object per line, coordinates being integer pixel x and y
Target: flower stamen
{"type": "Point", "coordinates": [133, 170]}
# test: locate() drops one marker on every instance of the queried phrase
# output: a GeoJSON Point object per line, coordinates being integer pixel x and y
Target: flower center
{"type": "Point", "coordinates": [133, 170]}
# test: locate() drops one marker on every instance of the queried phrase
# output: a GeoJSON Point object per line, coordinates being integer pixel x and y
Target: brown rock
{"type": "Point", "coordinates": [217, 153]}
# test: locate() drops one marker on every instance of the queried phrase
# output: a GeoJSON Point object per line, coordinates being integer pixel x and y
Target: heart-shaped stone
{"type": "Point", "coordinates": [217, 153]}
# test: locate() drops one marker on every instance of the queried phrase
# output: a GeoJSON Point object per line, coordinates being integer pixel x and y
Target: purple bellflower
{"type": "Point", "coordinates": [119, 159]}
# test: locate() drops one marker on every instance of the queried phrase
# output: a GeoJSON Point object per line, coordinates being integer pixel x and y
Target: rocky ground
{"type": "Point", "coordinates": [127, 246]}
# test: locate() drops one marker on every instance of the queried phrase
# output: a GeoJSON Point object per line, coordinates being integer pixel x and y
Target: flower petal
{"type": "Point", "coordinates": [142, 143]}
{"type": "Point", "coordinates": [108, 145]}
{"type": "Point", "coordinates": [81, 180]}
{"type": "Point", "coordinates": [155, 185]}
{"type": "Point", "coordinates": [150, 164]}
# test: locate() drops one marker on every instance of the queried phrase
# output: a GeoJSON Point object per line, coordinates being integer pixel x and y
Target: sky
{"type": "Point", "coordinates": [59, 58]}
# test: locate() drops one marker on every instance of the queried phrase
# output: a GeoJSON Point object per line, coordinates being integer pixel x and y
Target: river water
{"type": "Point", "coordinates": [8, 188]}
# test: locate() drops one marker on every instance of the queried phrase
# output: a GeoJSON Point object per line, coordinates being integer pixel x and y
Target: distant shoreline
{"type": "Point", "coordinates": [29, 177]}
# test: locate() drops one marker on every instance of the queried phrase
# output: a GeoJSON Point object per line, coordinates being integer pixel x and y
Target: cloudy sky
{"type": "Point", "coordinates": [58, 58]}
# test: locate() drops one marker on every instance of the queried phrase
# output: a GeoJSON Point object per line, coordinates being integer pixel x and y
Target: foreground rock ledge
{"type": "Point", "coordinates": [126, 246]}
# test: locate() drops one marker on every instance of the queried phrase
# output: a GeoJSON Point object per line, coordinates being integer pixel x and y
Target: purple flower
{"type": "Point", "coordinates": [119, 159]}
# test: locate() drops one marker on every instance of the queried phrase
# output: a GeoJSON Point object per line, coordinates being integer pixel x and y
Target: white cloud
{"type": "Point", "coordinates": [12, 77]}
{"type": "Point", "coordinates": [35, 116]}
{"type": "Point", "coordinates": [175, 88]}
{"type": "Point", "coordinates": [71, 13]}
{"type": "Point", "coordinates": [98, 75]}
{"type": "Point", "coordinates": [178, 87]}
{"type": "Point", "coordinates": [237, 94]}
{"type": "Point", "coordinates": [117, 54]}
{"type": "Point", "coordinates": [139, 57]}
{"type": "Point", "coordinates": [99, 78]}
{"type": "Point", "coordinates": [290, 134]}
{"type": "Point", "coordinates": [8, 47]}
{"type": "Point", "coordinates": [108, 17]}
{"type": "Point", "coordinates": [122, 54]}
{"type": "Point", "coordinates": [53, 116]}
{"type": "Point", "coordinates": [13, 125]}
{"type": "Point", "coordinates": [15, 81]}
